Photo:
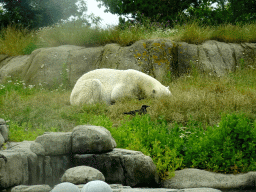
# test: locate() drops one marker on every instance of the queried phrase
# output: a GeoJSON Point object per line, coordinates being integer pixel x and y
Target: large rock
{"type": "Point", "coordinates": [34, 168]}
{"type": "Point", "coordinates": [91, 139]}
{"type": "Point", "coordinates": [127, 167]}
{"type": "Point", "coordinates": [55, 143]}
{"type": "Point", "coordinates": [13, 67]}
{"type": "Point", "coordinates": [196, 178]}
{"type": "Point", "coordinates": [33, 188]}
{"type": "Point", "coordinates": [157, 57]}
{"type": "Point", "coordinates": [12, 171]}
{"type": "Point", "coordinates": [29, 162]}
{"type": "Point", "coordinates": [82, 174]}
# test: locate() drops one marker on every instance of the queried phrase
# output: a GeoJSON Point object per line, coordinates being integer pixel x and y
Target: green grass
{"type": "Point", "coordinates": [206, 117]}
{"type": "Point", "coordinates": [18, 41]}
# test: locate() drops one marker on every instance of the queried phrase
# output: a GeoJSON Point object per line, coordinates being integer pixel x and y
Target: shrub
{"type": "Point", "coordinates": [228, 148]}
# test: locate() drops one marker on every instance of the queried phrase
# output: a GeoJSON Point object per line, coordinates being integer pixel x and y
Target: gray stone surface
{"type": "Point", "coordinates": [13, 66]}
{"type": "Point", "coordinates": [88, 139]}
{"type": "Point", "coordinates": [82, 174]}
{"type": "Point", "coordinates": [29, 161]}
{"type": "Point", "coordinates": [123, 166]}
{"type": "Point", "coordinates": [37, 148]}
{"type": "Point", "coordinates": [31, 188]}
{"type": "Point", "coordinates": [154, 57]}
{"type": "Point", "coordinates": [13, 172]}
{"type": "Point", "coordinates": [55, 143]}
{"type": "Point", "coordinates": [196, 178]}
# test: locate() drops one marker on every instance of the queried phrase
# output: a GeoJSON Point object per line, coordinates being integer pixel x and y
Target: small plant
{"type": "Point", "coordinates": [29, 48]}
{"type": "Point", "coordinates": [194, 70]}
{"type": "Point", "coordinates": [168, 78]}
{"type": "Point", "coordinates": [11, 85]}
{"type": "Point", "coordinates": [242, 63]}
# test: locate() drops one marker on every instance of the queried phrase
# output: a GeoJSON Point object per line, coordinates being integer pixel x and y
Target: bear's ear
{"type": "Point", "coordinates": [154, 91]}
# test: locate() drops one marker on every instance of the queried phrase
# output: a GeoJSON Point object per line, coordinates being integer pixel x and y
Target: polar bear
{"type": "Point", "coordinates": [109, 85]}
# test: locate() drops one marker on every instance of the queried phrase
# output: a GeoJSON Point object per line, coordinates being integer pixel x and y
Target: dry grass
{"type": "Point", "coordinates": [16, 41]}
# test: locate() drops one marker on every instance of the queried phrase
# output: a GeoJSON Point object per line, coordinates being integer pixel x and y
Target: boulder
{"type": "Point", "coordinates": [156, 57]}
{"type": "Point", "coordinates": [55, 143]}
{"type": "Point", "coordinates": [131, 168]}
{"type": "Point", "coordinates": [13, 67]}
{"type": "Point", "coordinates": [29, 161]}
{"type": "Point", "coordinates": [82, 174]}
{"type": "Point", "coordinates": [196, 178]}
{"type": "Point", "coordinates": [91, 139]}
{"type": "Point", "coordinates": [12, 171]}
{"type": "Point", "coordinates": [32, 188]}
{"type": "Point", "coordinates": [48, 66]}
{"type": "Point", "coordinates": [36, 167]}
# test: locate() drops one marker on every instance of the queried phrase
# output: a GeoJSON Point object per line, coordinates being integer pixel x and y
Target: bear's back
{"type": "Point", "coordinates": [108, 77]}
{"type": "Point", "coordinates": [111, 77]}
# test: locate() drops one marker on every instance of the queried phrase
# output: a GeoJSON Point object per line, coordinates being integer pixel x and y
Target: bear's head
{"type": "Point", "coordinates": [161, 91]}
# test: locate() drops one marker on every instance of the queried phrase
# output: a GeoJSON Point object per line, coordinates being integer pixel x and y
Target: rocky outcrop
{"type": "Point", "coordinates": [65, 64]}
{"type": "Point", "coordinates": [45, 160]}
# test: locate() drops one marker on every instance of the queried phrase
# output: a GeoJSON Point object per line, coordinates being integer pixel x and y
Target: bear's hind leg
{"type": "Point", "coordinates": [87, 92]}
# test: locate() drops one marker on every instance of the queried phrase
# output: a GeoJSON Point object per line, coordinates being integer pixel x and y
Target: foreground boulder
{"type": "Point", "coordinates": [196, 178]}
{"type": "Point", "coordinates": [32, 188]}
{"type": "Point", "coordinates": [131, 168]}
{"type": "Point", "coordinates": [91, 139]}
{"type": "Point", "coordinates": [45, 160]}
{"type": "Point", "coordinates": [82, 174]}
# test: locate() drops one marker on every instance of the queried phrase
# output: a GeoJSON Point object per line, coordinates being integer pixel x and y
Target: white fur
{"type": "Point", "coordinates": [110, 84]}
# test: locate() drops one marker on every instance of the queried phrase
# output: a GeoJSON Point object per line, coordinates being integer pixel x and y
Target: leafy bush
{"type": "Point", "coordinates": [151, 138]}
{"type": "Point", "coordinates": [228, 148]}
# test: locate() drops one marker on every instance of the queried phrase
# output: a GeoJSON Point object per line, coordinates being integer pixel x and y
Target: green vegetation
{"type": "Point", "coordinates": [209, 123]}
